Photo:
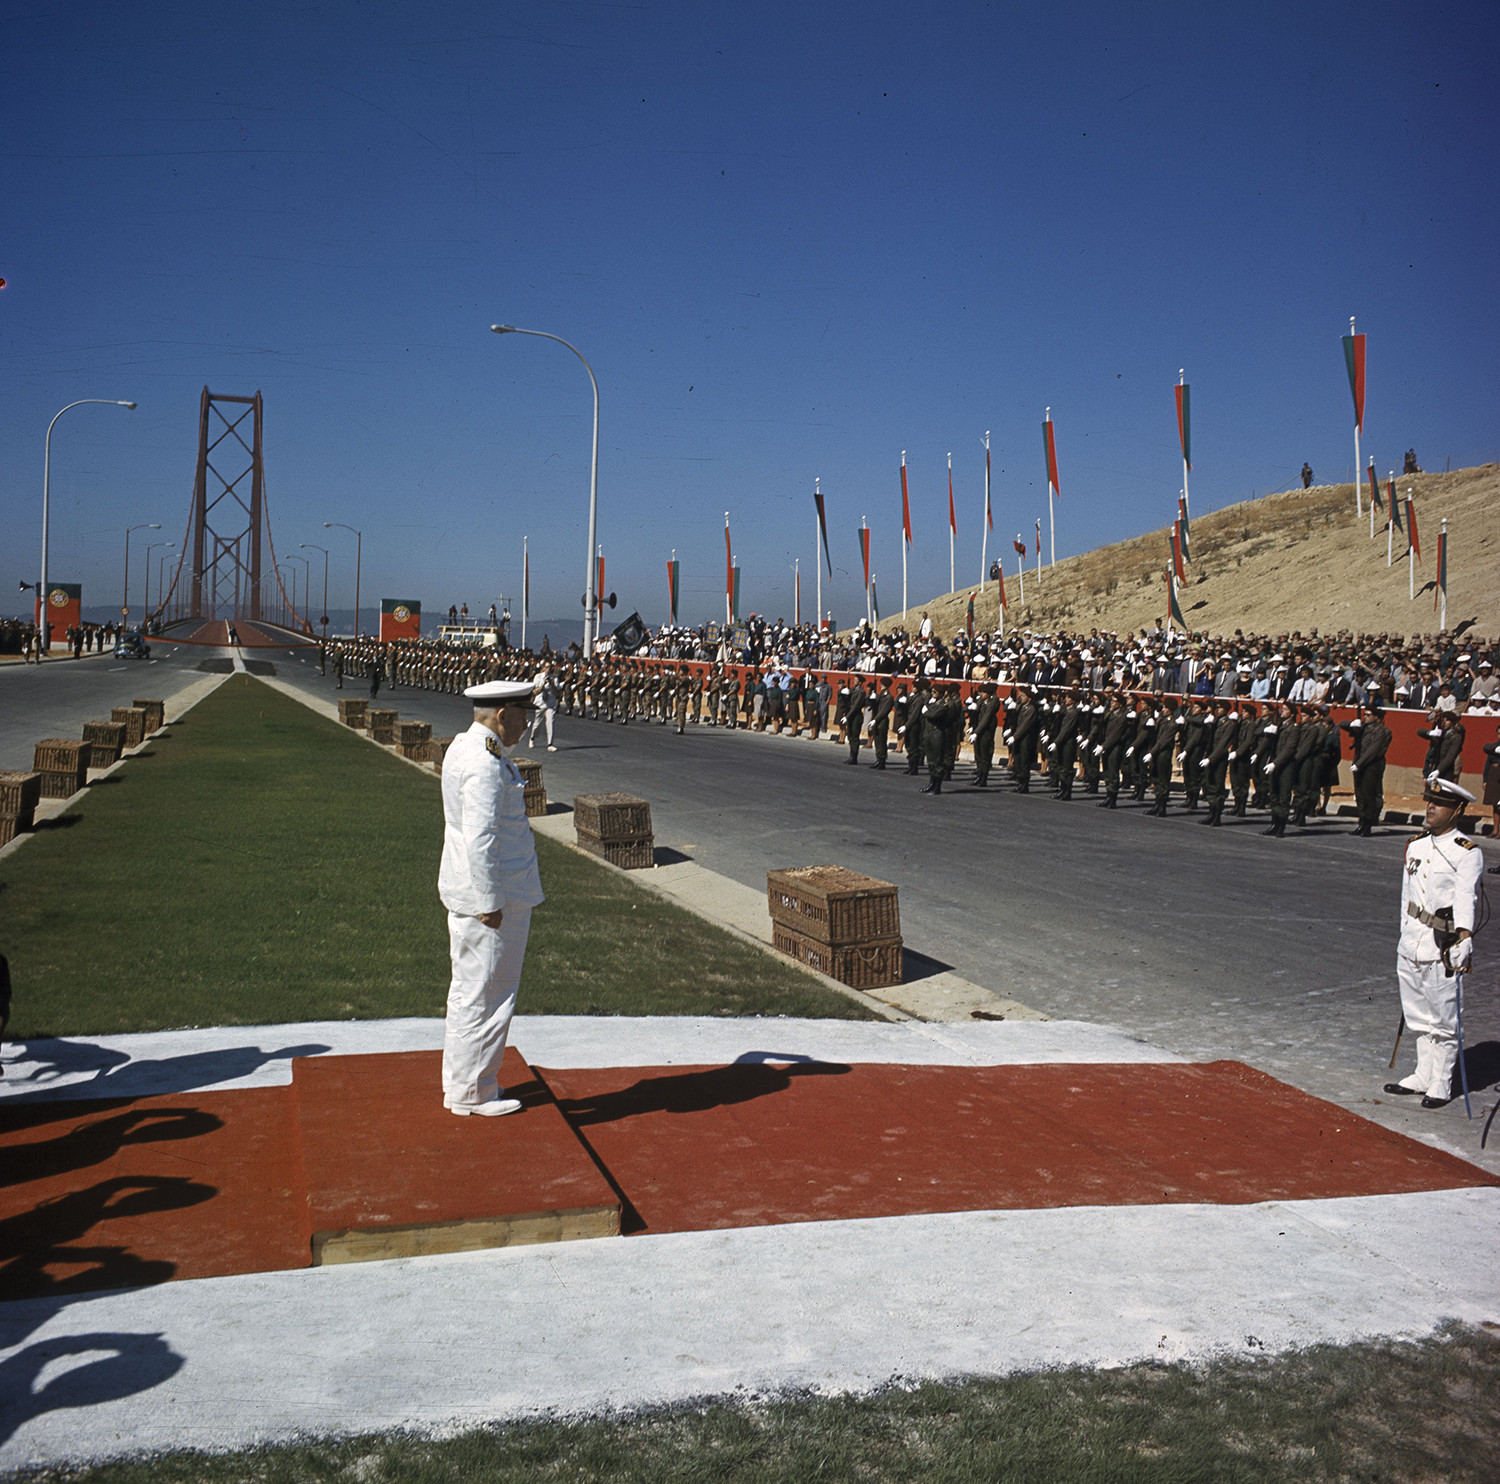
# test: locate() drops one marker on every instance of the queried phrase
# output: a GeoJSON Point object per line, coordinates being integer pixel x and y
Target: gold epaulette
{"type": "Point", "coordinates": [493, 747]}
{"type": "Point", "coordinates": [1467, 844]}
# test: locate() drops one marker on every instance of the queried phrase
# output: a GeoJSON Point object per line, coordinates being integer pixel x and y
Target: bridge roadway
{"type": "Point", "coordinates": [1211, 943]}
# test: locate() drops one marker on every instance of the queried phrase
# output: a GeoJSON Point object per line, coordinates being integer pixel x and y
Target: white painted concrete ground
{"type": "Point", "coordinates": [447, 1342]}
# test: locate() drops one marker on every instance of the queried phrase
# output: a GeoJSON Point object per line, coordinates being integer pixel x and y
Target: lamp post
{"type": "Point", "coordinates": [41, 589]}
{"type": "Point", "coordinates": [313, 546]}
{"type": "Point", "coordinates": [280, 566]}
{"type": "Point", "coordinates": [306, 583]}
{"type": "Point", "coordinates": [359, 542]}
{"type": "Point", "coordinates": [154, 525]}
{"type": "Point", "coordinates": [161, 577]}
{"type": "Point", "coordinates": [146, 613]}
{"type": "Point", "coordinates": [590, 601]}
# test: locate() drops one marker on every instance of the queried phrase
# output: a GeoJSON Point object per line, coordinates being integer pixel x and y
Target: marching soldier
{"type": "Point", "coordinates": [1021, 739]}
{"type": "Point", "coordinates": [1278, 764]}
{"type": "Point", "coordinates": [880, 721]}
{"type": "Point", "coordinates": [1215, 766]}
{"type": "Point", "coordinates": [855, 701]}
{"type": "Point", "coordinates": [942, 721]}
{"type": "Point", "coordinates": [1118, 726]}
{"type": "Point", "coordinates": [984, 711]}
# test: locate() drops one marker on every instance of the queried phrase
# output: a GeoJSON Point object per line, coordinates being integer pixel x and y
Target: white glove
{"type": "Point", "coordinates": [1145, 757]}
{"type": "Point", "coordinates": [1354, 767]}
{"type": "Point", "coordinates": [1006, 736]}
{"type": "Point", "coordinates": [1052, 747]}
{"type": "Point", "coordinates": [1269, 769]}
{"type": "Point", "coordinates": [1099, 751]}
{"type": "Point", "coordinates": [1232, 756]}
{"type": "Point", "coordinates": [1203, 762]}
{"type": "Point", "coordinates": [1130, 752]}
{"type": "Point", "coordinates": [1461, 955]}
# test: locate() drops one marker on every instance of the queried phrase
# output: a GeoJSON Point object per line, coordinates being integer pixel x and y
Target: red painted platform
{"type": "Point", "coordinates": [390, 1172]}
{"type": "Point", "coordinates": [357, 1159]}
{"type": "Point", "coordinates": [695, 1148]}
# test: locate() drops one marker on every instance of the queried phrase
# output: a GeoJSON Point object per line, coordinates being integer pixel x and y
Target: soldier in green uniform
{"type": "Point", "coordinates": [1372, 740]}
{"type": "Point", "coordinates": [880, 721]}
{"type": "Point", "coordinates": [942, 722]}
{"type": "Point", "coordinates": [984, 712]}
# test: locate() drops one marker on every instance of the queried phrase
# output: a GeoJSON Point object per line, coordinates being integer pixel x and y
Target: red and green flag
{"type": "Point", "coordinates": [1182, 526]}
{"type": "Point", "coordinates": [905, 503]}
{"type": "Point", "coordinates": [969, 617]}
{"type": "Point", "coordinates": [989, 514]}
{"type": "Point", "coordinates": [1177, 568]}
{"type": "Point", "coordinates": [1354, 363]}
{"type": "Point", "coordinates": [729, 573]}
{"type": "Point", "coordinates": [1411, 529]}
{"type": "Point", "coordinates": [1184, 432]}
{"type": "Point", "coordinates": [1174, 607]}
{"type": "Point", "coordinates": [1049, 446]}
{"type": "Point", "coordinates": [599, 588]}
{"type": "Point", "coordinates": [1374, 488]}
{"type": "Point", "coordinates": [1395, 504]}
{"type": "Point", "coordinates": [1440, 587]}
{"type": "Point", "coordinates": [952, 517]}
{"type": "Point", "coordinates": [674, 573]}
{"type": "Point", "coordinates": [864, 551]}
{"type": "Point", "coordinates": [400, 618]}
{"type": "Point", "coordinates": [823, 527]}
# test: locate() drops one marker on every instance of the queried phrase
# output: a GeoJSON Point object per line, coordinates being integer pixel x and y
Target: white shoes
{"type": "Point", "coordinates": [495, 1108]}
{"type": "Point", "coordinates": [551, 748]}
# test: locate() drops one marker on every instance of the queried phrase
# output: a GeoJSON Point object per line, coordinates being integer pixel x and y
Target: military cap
{"type": "Point", "coordinates": [1445, 791]}
{"type": "Point", "coordinates": [501, 693]}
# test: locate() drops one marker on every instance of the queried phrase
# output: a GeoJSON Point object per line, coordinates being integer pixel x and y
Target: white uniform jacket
{"type": "Point", "coordinates": [1441, 871]}
{"type": "Point", "coordinates": [489, 856]}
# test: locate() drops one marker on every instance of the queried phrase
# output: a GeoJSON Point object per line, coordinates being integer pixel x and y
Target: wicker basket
{"type": "Point", "coordinates": [19, 796]}
{"type": "Point", "coordinates": [437, 750]}
{"type": "Point", "coordinates": [383, 727]}
{"type": "Point", "coordinates": [61, 755]}
{"type": "Point", "coordinates": [62, 785]}
{"type": "Point", "coordinates": [156, 714]}
{"type": "Point", "coordinates": [859, 965]}
{"type": "Point", "coordinates": [354, 713]}
{"type": "Point", "coordinates": [612, 816]}
{"type": "Point", "coordinates": [135, 723]}
{"type": "Point", "coordinates": [632, 855]}
{"type": "Point", "coordinates": [833, 905]}
{"type": "Point", "coordinates": [107, 739]}
{"type": "Point", "coordinates": [10, 827]}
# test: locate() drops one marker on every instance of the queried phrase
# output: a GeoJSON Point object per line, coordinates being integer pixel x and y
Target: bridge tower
{"type": "Point", "coordinates": [228, 517]}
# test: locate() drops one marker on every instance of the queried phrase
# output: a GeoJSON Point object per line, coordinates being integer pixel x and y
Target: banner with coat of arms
{"type": "Point", "coordinates": [64, 607]}
{"type": "Point", "coordinates": [400, 618]}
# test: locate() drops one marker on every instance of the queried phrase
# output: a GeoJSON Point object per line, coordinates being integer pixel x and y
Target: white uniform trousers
{"type": "Point", "coordinates": [481, 1000]}
{"type": "Point", "coordinates": [541, 718]}
{"type": "Point", "coordinates": [1429, 1000]}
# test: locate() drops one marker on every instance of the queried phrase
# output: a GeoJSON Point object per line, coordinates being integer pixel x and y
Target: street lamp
{"type": "Point", "coordinates": [313, 546]}
{"type": "Point", "coordinates": [169, 545]}
{"type": "Point", "coordinates": [154, 525]}
{"type": "Point", "coordinates": [41, 588]}
{"type": "Point", "coordinates": [359, 542]}
{"type": "Point", "coordinates": [590, 601]}
{"type": "Point", "coordinates": [306, 583]}
{"type": "Point", "coordinates": [279, 568]}
{"type": "Point", "coordinates": [161, 577]}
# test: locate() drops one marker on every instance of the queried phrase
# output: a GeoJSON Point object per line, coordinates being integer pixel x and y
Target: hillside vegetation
{"type": "Point", "coordinates": [1300, 560]}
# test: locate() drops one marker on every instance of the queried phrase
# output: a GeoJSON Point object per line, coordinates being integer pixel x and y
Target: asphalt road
{"type": "Point", "coordinates": [1211, 943]}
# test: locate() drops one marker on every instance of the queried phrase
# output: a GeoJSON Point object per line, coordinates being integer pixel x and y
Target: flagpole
{"type": "Point", "coordinates": [952, 577]}
{"type": "Point", "coordinates": [864, 525]}
{"type": "Point", "coordinates": [728, 579]}
{"type": "Point", "coordinates": [1021, 574]}
{"type": "Point", "coordinates": [1357, 465]}
{"type": "Point", "coordinates": [1039, 537]}
{"type": "Point", "coordinates": [797, 592]}
{"type": "Point", "coordinates": [1442, 574]}
{"type": "Point", "coordinates": [818, 611]}
{"type": "Point", "coordinates": [1390, 525]}
{"type": "Point", "coordinates": [673, 590]}
{"type": "Point", "coordinates": [984, 528]}
{"type": "Point", "coordinates": [1372, 502]}
{"type": "Point", "coordinates": [525, 586]}
{"type": "Point", "coordinates": [903, 534]}
{"type": "Point", "coordinates": [1171, 596]}
{"type": "Point", "coordinates": [1186, 503]}
{"type": "Point", "coordinates": [1411, 560]}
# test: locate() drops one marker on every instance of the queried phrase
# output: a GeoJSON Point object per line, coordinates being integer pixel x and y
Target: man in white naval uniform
{"type": "Point", "coordinates": [1438, 893]}
{"type": "Point", "coordinates": [489, 883]}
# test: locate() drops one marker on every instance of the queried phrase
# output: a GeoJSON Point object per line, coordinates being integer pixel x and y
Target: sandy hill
{"type": "Point", "coordinates": [1297, 560]}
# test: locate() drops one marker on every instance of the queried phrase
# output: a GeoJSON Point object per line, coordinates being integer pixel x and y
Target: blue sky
{"type": "Point", "coordinates": [792, 240]}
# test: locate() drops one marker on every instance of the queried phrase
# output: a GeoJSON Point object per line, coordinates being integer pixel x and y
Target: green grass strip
{"type": "Point", "coordinates": [260, 864]}
{"type": "Point", "coordinates": [1378, 1412]}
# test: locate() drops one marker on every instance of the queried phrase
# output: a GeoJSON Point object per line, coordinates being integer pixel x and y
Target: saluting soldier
{"type": "Point", "coordinates": [1439, 893]}
{"type": "Point", "coordinates": [880, 721]}
{"type": "Point", "coordinates": [1372, 740]}
{"type": "Point", "coordinates": [942, 722]}
{"type": "Point", "coordinates": [983, 716]}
